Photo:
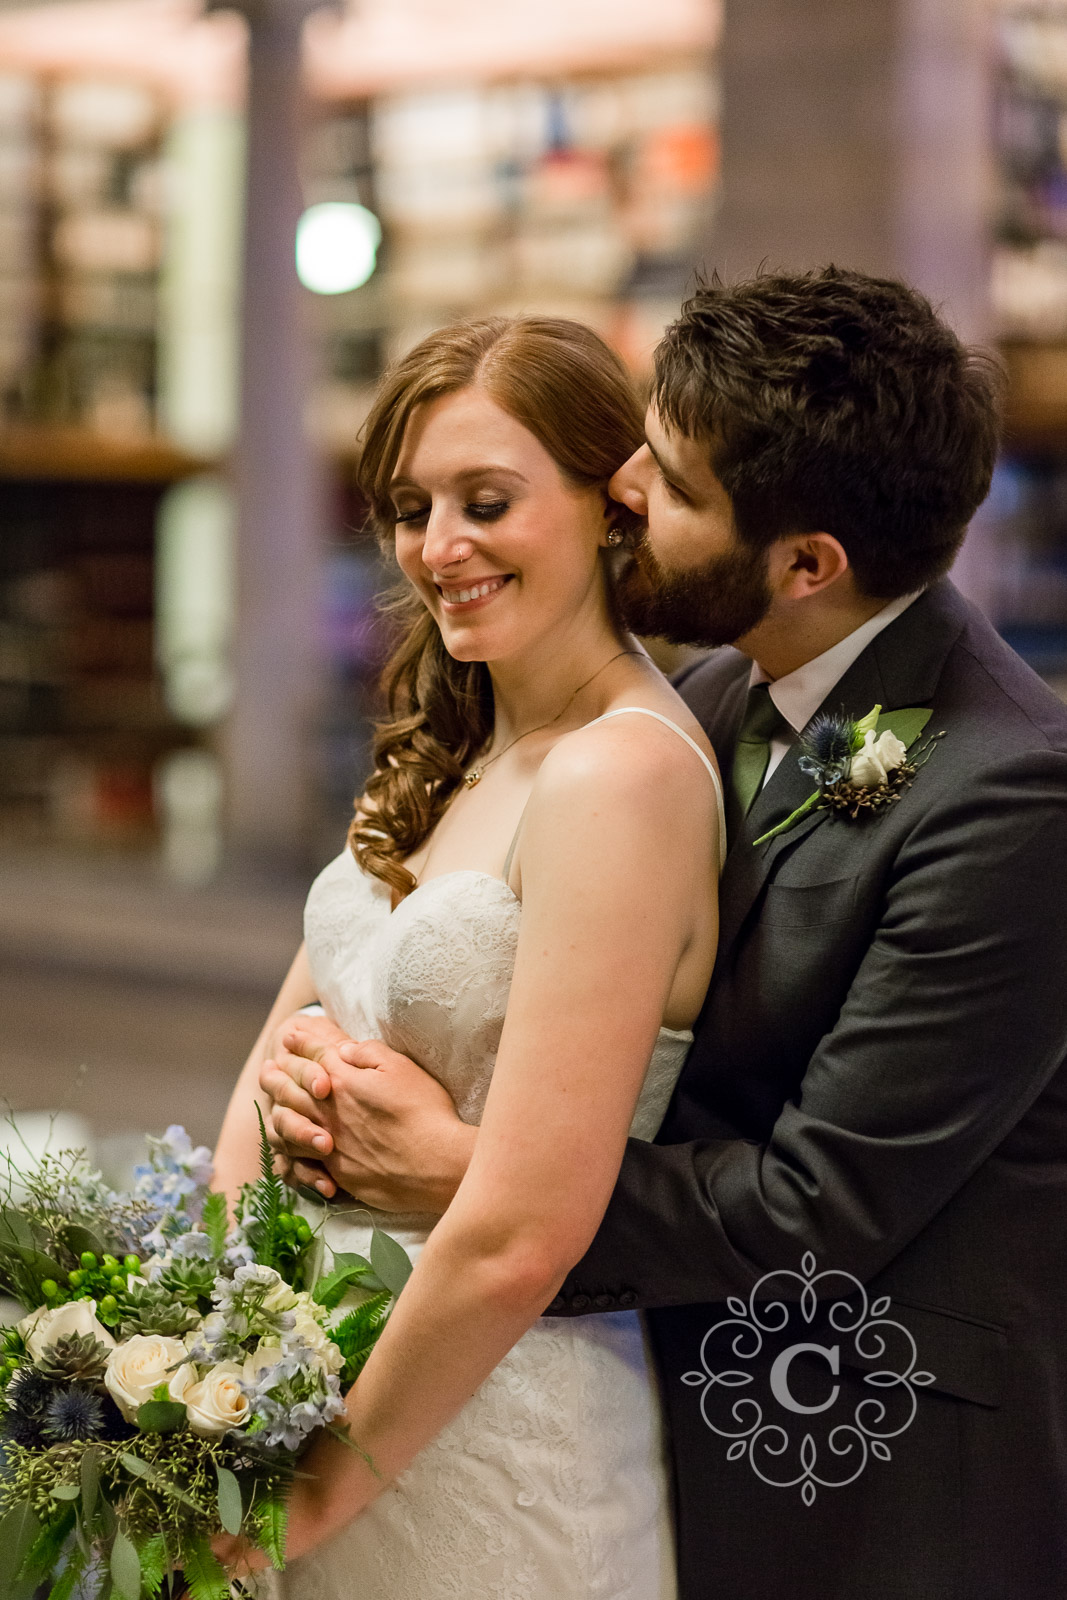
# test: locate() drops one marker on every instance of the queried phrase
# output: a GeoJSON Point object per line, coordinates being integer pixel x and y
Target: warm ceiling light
{"type": "Point", "coordinates": [336, 246]}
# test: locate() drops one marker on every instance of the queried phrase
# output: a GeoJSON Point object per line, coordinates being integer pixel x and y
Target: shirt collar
{"type": "Point", "coordinates": [800, 694]}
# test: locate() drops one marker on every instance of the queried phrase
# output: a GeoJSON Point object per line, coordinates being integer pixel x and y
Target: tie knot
{"type": "Point", "coordinates": [762, 718]}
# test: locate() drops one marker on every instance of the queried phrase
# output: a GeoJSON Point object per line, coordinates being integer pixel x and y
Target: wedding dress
{"type": "Point", "coordinates": [551, 1483]}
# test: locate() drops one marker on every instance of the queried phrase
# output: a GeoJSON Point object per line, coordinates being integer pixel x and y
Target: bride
{"type": "Point", "coordinates": [534, 861]}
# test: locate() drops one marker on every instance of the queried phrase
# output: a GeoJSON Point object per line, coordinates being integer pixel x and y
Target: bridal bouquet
{"type": "Point", "coordinates": [173, 1365]}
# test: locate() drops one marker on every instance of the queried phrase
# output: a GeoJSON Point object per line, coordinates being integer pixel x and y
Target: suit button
{"type": "Point", "coordinates": [580, 1302]}
{"type": "Point", "coordinates": [603, 1302]}
{"type": "Point", "coordinates": [628, 1298]}
{"type": "Point", "coordinates": [557, 1305]}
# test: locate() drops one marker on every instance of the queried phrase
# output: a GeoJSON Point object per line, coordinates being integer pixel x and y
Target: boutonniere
{"type": "Point", "coordinates": [860, 767]}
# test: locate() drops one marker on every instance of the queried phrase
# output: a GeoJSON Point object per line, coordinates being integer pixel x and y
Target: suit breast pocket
{"type": "Point", "coordinates": [809, 905]}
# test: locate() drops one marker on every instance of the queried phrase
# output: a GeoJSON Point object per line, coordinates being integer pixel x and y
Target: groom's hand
{"type": "Point", "coordinates": [394, 1138]}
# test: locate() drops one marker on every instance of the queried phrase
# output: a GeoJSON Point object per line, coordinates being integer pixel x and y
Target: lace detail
{"type": "Point", "coordinates": [550, 1483]}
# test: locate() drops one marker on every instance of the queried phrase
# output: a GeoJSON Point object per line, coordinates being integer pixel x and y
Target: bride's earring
{"type": "Point", "coordinates": [615, 537]}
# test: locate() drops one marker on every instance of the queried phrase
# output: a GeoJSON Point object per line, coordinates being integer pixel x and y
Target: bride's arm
{"type": "Point", "coordinates": [616, 873]}
{"type": "Point", "coordinates": [237, 1152]}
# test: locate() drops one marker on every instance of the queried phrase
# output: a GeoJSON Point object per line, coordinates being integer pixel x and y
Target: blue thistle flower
{"type": "Point", "coordinates": [74, 1414]}
{"type": "Point", "coordinates": [827, 746]}
{"type": "Point", "coordinates": [27, 1398]}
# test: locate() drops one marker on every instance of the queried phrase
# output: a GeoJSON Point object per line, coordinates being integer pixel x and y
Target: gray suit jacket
{"type": "Point", "coordinates": [879, 1079]}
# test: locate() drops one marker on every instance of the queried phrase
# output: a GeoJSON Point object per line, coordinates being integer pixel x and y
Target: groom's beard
{"type": "Point", "coordinates": [704, 606]}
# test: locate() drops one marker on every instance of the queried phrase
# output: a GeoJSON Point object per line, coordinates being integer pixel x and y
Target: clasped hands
{"type": "Point", "coordinates": [355, 1117]}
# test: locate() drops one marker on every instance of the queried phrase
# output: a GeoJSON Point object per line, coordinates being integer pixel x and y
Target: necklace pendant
{"type": "Point", "coordinates": [472, 777]}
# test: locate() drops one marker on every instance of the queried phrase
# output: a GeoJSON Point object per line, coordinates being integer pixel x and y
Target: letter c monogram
{"type": "Point", "coordinates": [780, 1375]}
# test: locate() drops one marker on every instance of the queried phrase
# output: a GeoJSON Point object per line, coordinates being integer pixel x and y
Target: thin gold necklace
{"type": "Point", "coordinates": [477, 773]}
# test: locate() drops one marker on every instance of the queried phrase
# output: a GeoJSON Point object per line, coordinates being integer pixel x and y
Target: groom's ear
{"type": "Point", "coordinates": [803, 564]}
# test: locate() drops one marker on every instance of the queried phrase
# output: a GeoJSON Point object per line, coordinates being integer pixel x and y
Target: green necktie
{"type": "Point", "coordinates": [761, 721]}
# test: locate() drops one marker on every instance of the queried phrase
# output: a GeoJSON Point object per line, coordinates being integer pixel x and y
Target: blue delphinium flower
{"type": "Point", "coordinates": [194, 1247]}
{"type": "Point", "coordinates": [173, 1182]}
{"type": "Point", "coordinates": [292, 1398]}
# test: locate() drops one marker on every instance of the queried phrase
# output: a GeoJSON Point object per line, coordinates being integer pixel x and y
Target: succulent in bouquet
{"type": "Point", "coordinates": [172, 1366]}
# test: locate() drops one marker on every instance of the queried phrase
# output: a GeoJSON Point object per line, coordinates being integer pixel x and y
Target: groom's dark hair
{"type": "Point", "coordinates": [839, 403]}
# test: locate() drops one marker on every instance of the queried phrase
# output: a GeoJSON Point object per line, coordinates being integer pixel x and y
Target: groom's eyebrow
{"type": "Point", "coordinates": [668, 472]}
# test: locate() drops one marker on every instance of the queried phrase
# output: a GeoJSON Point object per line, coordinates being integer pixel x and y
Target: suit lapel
{"type": "Point", "coordinates": [900, 667]}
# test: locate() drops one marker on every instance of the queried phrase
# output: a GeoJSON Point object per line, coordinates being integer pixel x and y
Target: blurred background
{"type": "Point", "coordinates": [217, 224]}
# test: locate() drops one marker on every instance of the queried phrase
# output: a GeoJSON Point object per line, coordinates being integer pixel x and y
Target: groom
{"type": "Point", "coordinates": [877, 1091]}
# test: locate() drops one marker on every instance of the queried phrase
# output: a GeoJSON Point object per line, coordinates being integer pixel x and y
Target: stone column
{"type": "Point", "coordinates": [856, 131]}
{"type": "Point", "coordinates": [276, 474]}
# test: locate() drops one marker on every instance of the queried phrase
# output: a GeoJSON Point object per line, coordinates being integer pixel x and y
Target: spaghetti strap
{"type": "Point", "coordinates": [720, 804]}
{"type": "Point", "coordinates": [644, 711]}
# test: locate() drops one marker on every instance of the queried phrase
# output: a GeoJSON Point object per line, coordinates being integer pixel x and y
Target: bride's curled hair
{"type": "Point", "coordinates": [562, 382]}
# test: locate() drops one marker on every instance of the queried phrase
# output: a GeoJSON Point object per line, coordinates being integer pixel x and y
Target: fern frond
{"type": "Point", "coordinates": [214, 1221]}
{"type": "Point", "coordinates": [154, 1563]}
{"type": "Point", "coordinates": [67, 1582]}
{"type": "Point", "coordinates": [273, 1521]}
{"type": "Point", "coordinates": [357, 1334]}
{"type": "Point", "coordinates": [205, 1577]}
{"type": "Point", "coordinates": [267, 1199]}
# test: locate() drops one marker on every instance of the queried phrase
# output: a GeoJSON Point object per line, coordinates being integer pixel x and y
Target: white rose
{"type": "Point", "coordinates": [280, 1298]}
{"type": "Point", "coordinates": [879, 755]}
{"type": "Point", "coordinates": [42, 1328]}
{"type": "Point", "coordinates": [138, 1366]}
{"type": "Point", "coordinates": [263, 1357]}
{"type": "Point", "coordinates": [217, 1403]}
{"type": "Point", "coordinates": [181, 1382]}
{"type": "Point", "coordinates": [311, 1332]}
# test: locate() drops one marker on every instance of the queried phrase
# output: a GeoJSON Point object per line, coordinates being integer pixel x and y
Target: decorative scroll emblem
{"type": "Point", "coordinates": [781, 1443]}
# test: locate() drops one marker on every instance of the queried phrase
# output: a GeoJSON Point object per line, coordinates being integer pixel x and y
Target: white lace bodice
{"type": "Point", "coordinates": [432, 977]}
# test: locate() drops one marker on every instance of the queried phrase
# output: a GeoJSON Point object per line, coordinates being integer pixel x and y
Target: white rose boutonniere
{"type": "Point", "coordinates": [862, 766]}
{"type": "Point", "coordinates": [878, 756]}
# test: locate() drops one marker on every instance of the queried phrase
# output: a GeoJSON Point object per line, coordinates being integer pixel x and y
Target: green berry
{"type": "Point", "coordinates": [303, 1230]}
{"type": "Point", "coordinates": [110, 1264]}
{"type": "Point", "coordinates": [49, 1288]}
{"type": "Point", "coordinates": [118, 1283]}
{"type": "Point", "coordinates": [108, 1308]}
{"type": "Point", "coordinates": [132, 1263]}
{"type": "Point", "coordinates": [88, 1261]}
{"type": "Point", "coordinates": [286, 1222]}
{"type": "Point", "coordinates": [77, 1278]}
{"type": "Point", "coordinates": [12, 1363]}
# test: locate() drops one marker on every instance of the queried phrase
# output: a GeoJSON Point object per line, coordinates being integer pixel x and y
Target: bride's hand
{"type": "Point", "coordinates": [306, 1171]}
{"type": "Point", "coordinates": [334, 1486]}
{"type": "Point", "coordinates": [394, 1138]}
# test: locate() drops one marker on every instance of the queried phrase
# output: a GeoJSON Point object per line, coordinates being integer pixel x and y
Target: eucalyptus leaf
{"type": "Point", "coordinates": [125, 1568]}
{"type": "Point", "coordinates": [390, 1261]}
{"type": "Point", "coordinates": [907, 724]}
{"type": "Point", "coordinates": [159, 1480]}
{"type": "Point", "coordinates": [79, 1239]}
{"type": "Point", "coordinates": [160, 1416]}
{"type": "Point", "coordinates": [231, 1511]}
{"type": "Point", "coordinates": [15, 1228]}
{"type": "Point", "coordinates": [66, 1491]}
{"type": "Point", "coordinates": [18, 1530]}
{"type": "Point", "coordinates": [90, 1483]}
